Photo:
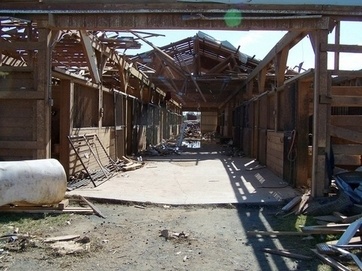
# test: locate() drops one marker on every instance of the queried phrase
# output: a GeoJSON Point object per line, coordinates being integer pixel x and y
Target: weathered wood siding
{"type": "Point", "coordinates": [275, 152]}
{"type": "Point", "coordinates": [208, 122]}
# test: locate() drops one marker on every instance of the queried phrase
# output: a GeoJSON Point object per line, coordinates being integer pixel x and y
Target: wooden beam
{"type": "Point", "coordinates": [43, 107]}
{"type": "Point", "coordinates": [261, 80]}
{"type": "Point", "coordinates": [339, 100]}
{"type": "Point", "coordinates": [340, 48]}
{"type": "Point", "coordinates": [171, 61]}
{"type": "Point", "coordinates": [346, 73]}
{"type": "Point", "coordinates": [321, 115]}
{"type": "Point", "coordinates": [288, 41]}
{"type": "Point", "coordinates": [281, 65]}
{"type": "Point", "coordinates": [90, 56]}
{"type": "Point", "coordinates": [337, 40]}
{"type": "Point", "coordinates": [347, 90]}
{"type": "Point", "coordinates": [175, 20]}
{"type": "Point", "coordinates": [220, 66]}
{"type": "Point", "coordinates": [302, 127]}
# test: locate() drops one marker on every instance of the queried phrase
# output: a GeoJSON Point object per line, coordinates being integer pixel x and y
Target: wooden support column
{"type": "Point", "coordinates": [321, 116]}
{"type": "Point", "coordinates": [302, 128]}
{"type": "Point", "coordinates": [262, 80]}
{"type": "Point", "coordinates": [337, 40]}
{"type": "Point", "coordinates": [43, 106]}
{"type": "Point", "coordinates": [66, 121]}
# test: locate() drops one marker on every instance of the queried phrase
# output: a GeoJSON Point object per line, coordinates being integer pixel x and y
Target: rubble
{"type": "Point", "coordinates": [164, 148]}
{"type": "Point", "coordinates": [339, 215]}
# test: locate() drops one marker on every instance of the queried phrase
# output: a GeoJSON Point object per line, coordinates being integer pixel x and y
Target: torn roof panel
{"type": "Point", "coordinates": [242, 57]}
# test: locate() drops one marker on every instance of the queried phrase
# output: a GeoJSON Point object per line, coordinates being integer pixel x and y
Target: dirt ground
{"type": "Point", "coordinates": [148, 237]}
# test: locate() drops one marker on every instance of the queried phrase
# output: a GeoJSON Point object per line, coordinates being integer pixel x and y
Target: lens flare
{"type": "Point", "coordinates": [233, 17]}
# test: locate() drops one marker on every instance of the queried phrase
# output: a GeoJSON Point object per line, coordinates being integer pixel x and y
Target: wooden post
{"type": "Point", "coordinates": [321, 116]}
{"type": "Point", "coordinates": [337, 41]}
{"type": "Point", "coordinates": [66, 121]}
{"type": "Point", "coordinates": [43, 107]}
{"type": "Point", "coordinates": [302, 128]}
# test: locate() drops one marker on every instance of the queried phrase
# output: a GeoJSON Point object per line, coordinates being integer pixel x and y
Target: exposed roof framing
{"type": "Point", "coordinates": [173, 14]}
{"type": "Point", "coordinates": [208, 71]}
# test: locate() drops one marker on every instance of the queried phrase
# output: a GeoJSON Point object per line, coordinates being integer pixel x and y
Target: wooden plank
{"type": "Point", "coordinates": [347, 90]}
{"type": "Point", "coordinates": [339, 100]}
{"type": "Point", "coordinates": [344, 48]}
{"type": "Point", "coordinates": [302, 166]}
{"type": "Point", "coordinates": [346, 120]}
{"type": "Point", "coordinates": [63, 204]}
{"type": "Point", "coordinates": [345, 134]}
{"type": "Point", "coordinates": [275, 137]}
{"type": "Point", "coordinates": [94, 208]}
{"type": "Point", "coordinates": [340, 159]}
{"type": "Point", "coordinates": [275, 146]}
{"type": "Point", "coordinates": [61, 238]}
{"type": "Point", "coordinates": [35, 209]}
{"type": "Point", "coordinates": [286, 254]}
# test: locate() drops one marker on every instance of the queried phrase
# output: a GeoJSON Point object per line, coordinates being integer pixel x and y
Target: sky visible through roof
{"type": "Point", "coordinates": [259, 43]}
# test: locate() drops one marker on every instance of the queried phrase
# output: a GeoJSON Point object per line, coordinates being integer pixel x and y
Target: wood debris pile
{"type": "Point", "coordinates": [59, 245]}
{"type": "Point", "coordinates": [342, 253]}
{"type": "Point", "coordinates": [169, 235]}
{"type": "Point", "coordinates": [74, 204]}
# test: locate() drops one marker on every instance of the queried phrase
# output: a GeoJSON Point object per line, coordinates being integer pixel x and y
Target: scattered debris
{"type": "Point", "coordinates": [286, 254]}
{"type": "Point", "coordinates": [73, 204]}
{"type": "Point", "coordinates": [164, 148]}
{"type": "Point", "coordinates": [64, 248]}
{"type": "Point", "coordinates": [329, 214]}
{"type": "Point", "coordinates": [62, 245]}
{"type": "Point", "coordinates": [173, 235]}
{"type": "Point", "coordinates": [60, 238]}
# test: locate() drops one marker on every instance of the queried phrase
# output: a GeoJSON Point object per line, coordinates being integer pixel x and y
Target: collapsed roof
{"type": "Point", "coordinates": [198, 72]}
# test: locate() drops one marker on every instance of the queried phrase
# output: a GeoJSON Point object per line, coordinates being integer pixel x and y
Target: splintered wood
{"type": "Point", "coordinates": [131, 164]}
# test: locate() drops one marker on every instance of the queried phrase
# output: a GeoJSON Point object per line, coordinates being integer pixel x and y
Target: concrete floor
{"type": "Point", "coordinates": [197, 176]}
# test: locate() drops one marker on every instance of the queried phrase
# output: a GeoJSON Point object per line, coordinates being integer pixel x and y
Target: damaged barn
{"type": "Point", "coordinates": [70, 93]}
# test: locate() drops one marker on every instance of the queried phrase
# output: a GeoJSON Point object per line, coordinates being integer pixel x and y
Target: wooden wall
{"type": "Point", "coordinates": [275, 152]}
{"type": "Point", "coordinates": [346, 126]}
{"type": "Point", "coordinates": [20, 106]}
{"type": "Point", "coordinates": [208, 121]}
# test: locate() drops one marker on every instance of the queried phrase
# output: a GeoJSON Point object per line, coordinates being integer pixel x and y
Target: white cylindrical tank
{"type": "Point", "coordinates": [35, 182]}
